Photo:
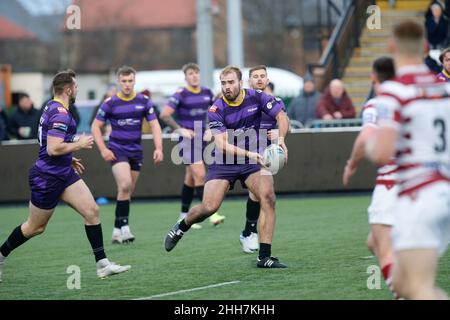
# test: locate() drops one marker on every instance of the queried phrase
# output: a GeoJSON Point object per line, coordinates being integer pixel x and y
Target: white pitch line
{"type": "Point", "coordinates": [188, 290]}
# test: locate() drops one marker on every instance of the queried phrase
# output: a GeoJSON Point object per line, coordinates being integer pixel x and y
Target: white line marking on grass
{"type": "Point", "coordinates": [368, 257]}
{"type": "Point", "coordinates": [188, 290]}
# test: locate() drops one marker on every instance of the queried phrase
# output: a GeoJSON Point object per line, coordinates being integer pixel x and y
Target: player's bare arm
{"type": "Point", "coordinates": [157, 140]}
{"type": "Point", "coordinates": [358, 153]}
{"type": "Point", "coordinates": [380, 148]}
{"type": "Point", "coordinates": [167, 117]}
{"type": "Point", "coordinates": [283, 129]}
{"type": "Point", "coordinates": [96, 127]}
{"type": "Point", "coordinates": [221, 141]}
{"type": "Point", "coordinates": [56, 146]}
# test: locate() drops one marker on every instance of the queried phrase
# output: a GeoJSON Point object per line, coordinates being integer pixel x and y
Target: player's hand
{"type": "Point", "coordinates": [272, 134]}
{"type": "Point", "coordinates": [85, 141]}
{"type": "Point", "coordinates": [256, 157]}
{"type": "Point", "coordinates": [207, 136]}
{"type": "Point", "coordinates": [77, 166]}
{"type": "Point", "coordinates": [283, 146]}
{"type": "Point", "coordinates": [349, 171]}
{"type": "Point", "coordinates": [185, 133]}
{"type": "Point", "coordinates": [337, 115]}
{"type": "Point", "coordinates": [108, 155]}
{"type": "Point", "coordinates": [157, 156]}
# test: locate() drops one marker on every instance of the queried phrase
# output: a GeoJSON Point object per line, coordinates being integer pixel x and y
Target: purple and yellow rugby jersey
{"type": "Point", "coordinates": [443, 75]}
{"type": "Point", "coordinates": [268, 122]}
{"type": "Point", "coordinates": [191, 105]}
{"type": "Point", "coordinates": [243, 116]}
{"type": "Point", "coordinates": [126, 116]}
{"type": "Point", "coordinates": [56, 121]}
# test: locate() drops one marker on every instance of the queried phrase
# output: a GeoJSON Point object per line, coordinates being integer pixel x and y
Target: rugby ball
{"type": "Point", "coordinates": [274, 158]}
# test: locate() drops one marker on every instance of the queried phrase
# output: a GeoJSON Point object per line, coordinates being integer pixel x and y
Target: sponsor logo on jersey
{"type": "Point", "coordinates": [139, 107]}
{"type": "Point", "coordinates": [269, 105]}
{"type": "Point", "coordinates": [252, 109]}
{"type": "Point", "coordinates": [128, 122]}
{"type": "Point", "coordinates": [213, 108]}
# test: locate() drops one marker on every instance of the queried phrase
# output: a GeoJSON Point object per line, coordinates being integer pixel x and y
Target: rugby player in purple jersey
{"type": "Point", "coordinates": [236, 117]}
{"type": "Point", "coordinates": [257, 80]}
{"type": "Point", "coordinates": [126, 111]}
{"type": "Point", "coordinates": [56, 176]}
{"type": "Point", "coordinates": [190, 104]}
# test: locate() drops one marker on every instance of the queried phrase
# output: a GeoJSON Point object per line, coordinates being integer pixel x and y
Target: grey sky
{"type": "Point", "coordinates": [44, 7]}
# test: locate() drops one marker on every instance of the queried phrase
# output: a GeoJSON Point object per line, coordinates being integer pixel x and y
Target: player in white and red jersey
{"type": "Point", "coordinates": [414, 119]}
{"type": "Point", "coordinates": [381, 217]}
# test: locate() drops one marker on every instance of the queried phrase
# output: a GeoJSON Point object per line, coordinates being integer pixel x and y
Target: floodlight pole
{"type": "Point", "coordinates": [205, 53]}
{"type": "Point", "coordinates": [234, 30]}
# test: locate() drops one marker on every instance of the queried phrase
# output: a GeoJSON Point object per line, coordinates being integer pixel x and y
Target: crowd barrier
{"type": "Point", "coordinates": [317, 157]}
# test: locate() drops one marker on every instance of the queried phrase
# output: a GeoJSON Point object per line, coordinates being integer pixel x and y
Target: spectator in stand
{"type": "Point", "coordinates": [303, 107]}
{"type": "Point", "coordinates": [437, 27]}
{"type": "Point", "coordinates": [445, 60]}
{"type": "Point", "coordinates": [431, 63]}
{"type": "Point", "coordinates": [335, 103]}
{"type": "Point", "coordinates": [445, 5]}
{"type": "Point", "coordinates": [24, 121]}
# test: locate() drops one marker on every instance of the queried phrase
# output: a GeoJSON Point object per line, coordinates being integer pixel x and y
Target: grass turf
{"type": "Point", "coordinates": [322, 239]}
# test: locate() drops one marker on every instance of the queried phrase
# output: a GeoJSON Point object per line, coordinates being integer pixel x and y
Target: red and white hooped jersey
{"type": "Point", "coordinates": [387, 174]}
{"type": "Point", "coordinates": [417, 105]}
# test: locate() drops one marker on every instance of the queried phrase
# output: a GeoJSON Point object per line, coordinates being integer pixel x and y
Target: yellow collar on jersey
{"type": "Point", "coordinates": [446, 73]}
{"type": "Point", "coordinates": [62, 102]}
{"type": "Point", "coordinates": [194, 90]}
{"type": "Point", "coordinates": [122, 97]}
{"type": "Point", "coordinates": [235, 104]}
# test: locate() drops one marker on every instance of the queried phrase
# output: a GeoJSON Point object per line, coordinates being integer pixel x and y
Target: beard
{"type": "Point", "coordinates": [231, 96]}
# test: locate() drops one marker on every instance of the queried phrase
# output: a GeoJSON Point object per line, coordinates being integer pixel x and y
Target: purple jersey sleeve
{"type": "Point", "coordinates": [174, 100]}
{"type": "Point", "coordinates": [271, 105]}
{"type": "Point", "coordinates": [216, 120]}
{"type": "Point", "coordinates": [104, 111]}
{"type": "Point", "coordinates": [58, 125]}
{"type": "Point", "coordinates": [150, 111]}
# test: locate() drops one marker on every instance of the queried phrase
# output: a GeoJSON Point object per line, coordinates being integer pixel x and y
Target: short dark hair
{"type": "Point", "coordinates": [63, 79]}
{"type": "Point", "coordinates": [384, 68]}
{"type": "Point", "coordinates": [258, 67]}
{"type": "Point", "coordinates": [442, 55]}
{"type": "Point", "coordinates": [125, 71]}
{"type": "Point", "coordinates": [190, 65]}
{"type": "Point", "coordinates": [230, 69]}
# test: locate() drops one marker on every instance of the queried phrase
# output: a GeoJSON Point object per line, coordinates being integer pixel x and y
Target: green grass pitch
{"type": "Point", "coordinates": [322, 239]}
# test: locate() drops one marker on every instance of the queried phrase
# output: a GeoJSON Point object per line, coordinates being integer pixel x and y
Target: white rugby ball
{"type": "Point", "coordinates": [274, 158]}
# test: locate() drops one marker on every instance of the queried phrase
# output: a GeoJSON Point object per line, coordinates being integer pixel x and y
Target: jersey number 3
{"type": "Point", "coordinates": [439, 124]}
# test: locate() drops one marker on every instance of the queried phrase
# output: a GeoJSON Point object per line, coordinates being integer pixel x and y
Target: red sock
{"type": "Point", "coordinates": [387, 271]}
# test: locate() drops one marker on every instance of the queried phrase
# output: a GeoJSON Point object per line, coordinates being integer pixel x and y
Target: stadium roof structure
{"type": "Point", "coordinates": [136, 14]}
{"type": "Point", "coordinates": [12, 31]}
{"type": "Point", "coordinates": [287, 84]}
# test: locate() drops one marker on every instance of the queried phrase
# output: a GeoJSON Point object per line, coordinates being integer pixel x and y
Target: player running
{"type": "Point", "coordinates": [56, 175]}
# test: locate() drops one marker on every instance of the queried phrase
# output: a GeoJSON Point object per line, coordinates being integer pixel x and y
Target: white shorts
{"type": "Point", "coordinates": [380, 209]}
{"type": "Point", "coordinates": [423, 222]}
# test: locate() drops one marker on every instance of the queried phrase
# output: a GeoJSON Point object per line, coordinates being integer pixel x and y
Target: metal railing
{"type": "Point", "coordinates": [344, 39]}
